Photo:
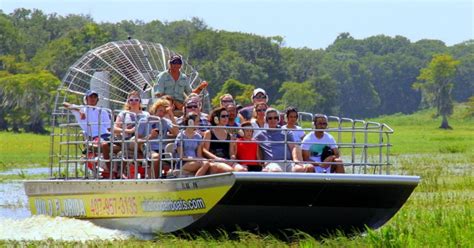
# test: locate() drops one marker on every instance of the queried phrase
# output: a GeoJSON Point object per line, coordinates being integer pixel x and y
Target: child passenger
{"type": "Point", "coordinates": [247, 150]}
{"type": "Point", "coordinates": [189, 146]}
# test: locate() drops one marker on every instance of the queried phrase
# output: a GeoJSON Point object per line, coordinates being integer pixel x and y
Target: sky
{"type": "Point", "coordinates": [302, 23]}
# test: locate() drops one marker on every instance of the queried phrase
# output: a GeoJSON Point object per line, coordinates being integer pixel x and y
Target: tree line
{"type": "Point", "coordinates": [357, 78]}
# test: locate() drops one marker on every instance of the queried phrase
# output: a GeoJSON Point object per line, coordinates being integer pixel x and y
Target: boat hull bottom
{"type": "Point", "coordinates": [327, 220]}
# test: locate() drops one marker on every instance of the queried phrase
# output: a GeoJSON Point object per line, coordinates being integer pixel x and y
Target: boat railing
{"type": "Point", "coordinates": [365, 146]}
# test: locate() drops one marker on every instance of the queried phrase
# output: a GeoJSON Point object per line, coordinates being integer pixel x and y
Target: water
{"type": "Point", "coordinates": [32, 171]}
{"type": "Point", "coordinates": [16, 222]}
{"type": "Point", "coordinates": [13, 201]}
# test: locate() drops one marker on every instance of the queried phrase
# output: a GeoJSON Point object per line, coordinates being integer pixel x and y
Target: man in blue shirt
{"type": "Point", "coordinates": [273, 147]}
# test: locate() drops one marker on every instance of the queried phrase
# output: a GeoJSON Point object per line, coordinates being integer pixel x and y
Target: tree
{"type": "Point", "coordinates": [393, 75]}
{"type": "Point", "coordinates": [464, 83]}
{"type": "Point", "coordinates": [470, 107]}
{"type": "Point", "coordinates": [61, 53]}
{"type": "Point", "coordinates": [25, 95]}
{"type": "Point", "coordinates": [26, 100]}
{"type": "Point", "coordinates": [8, 37]}
{"type": "Point", "coordinates": [231, 65]}
{"type": "Point", "coordinates": [435, 83]}
{"type": "Point", "coordinates": [242, 93]}
{"type": "Point", "coordinates": [300, 95]}
{"type": "Point", "coordinates": [329, 91]}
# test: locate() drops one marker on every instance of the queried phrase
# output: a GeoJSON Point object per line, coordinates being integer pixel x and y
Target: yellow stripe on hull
{"type": "Point", "coordinates": [123, 205]}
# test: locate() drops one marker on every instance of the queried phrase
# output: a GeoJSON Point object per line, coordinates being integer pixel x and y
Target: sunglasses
{"type": "Point", "coordinates": [224, 116]}
{"type": "Point", "coordinates": [176, 62]}
{"type": "Point", "coordinates": [261, 110]}
{"type": "Point", "coordinates": [260, 97]}
{"type": "Point", "coordinates": [273, 118]}
{"type": "Point", "coordinates": [134, 99]}
{"type": "Point", "coordinates": [192, 107]}
{"type": "Point", "coordinates": [322, 123]}
{"type": "Point", "coordinates": [228, 101]}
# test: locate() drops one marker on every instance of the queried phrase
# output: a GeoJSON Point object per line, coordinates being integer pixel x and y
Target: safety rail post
{"type": "Point", "coordinates": [61, 137]}
{"type": "Point", "coordinates": [160, 148]}
{"type": "Point", "coordinates": [390, 131]}
{"type": "Point", "coordinates": [181, 144]}
{"type": "Point", "coordinates": [76, 154]}
{"type": "Point", "coordinates": [154, 120]}
{"type": "Point", "coordinates": [358, 130]}
{"type": "Point", "coordinates": [285, 153]}
{"type": "Point", "coordinates": [135, 149]}
{"type": "Point", "coordinates": [51, 151]}
{"type": "Point", "coordinates": [377, 127]}
{"type": "Point", "coordinates": [352, 140]}
{"type": "Point", "coordinates": [366, 148]}
{"type": "Point", "coordinates": [355, 131]}
{"type": "Point", "coordinates": [66, 175]}
{"type": "Point", "coordinates": [381, 149]}
{"type": "Point", "coordinates": [339, 126]}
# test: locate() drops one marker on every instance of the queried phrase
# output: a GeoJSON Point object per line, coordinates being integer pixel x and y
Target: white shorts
{"type": "Point", "coordinates": [284, 167]}
{"type": "Point", "coordinates": [318, 169]}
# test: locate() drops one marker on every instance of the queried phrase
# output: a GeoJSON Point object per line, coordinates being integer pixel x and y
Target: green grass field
{"type": "Point", "coordinates": [440, 213]}
{"type": "Point", "coordinates": [23, 150]}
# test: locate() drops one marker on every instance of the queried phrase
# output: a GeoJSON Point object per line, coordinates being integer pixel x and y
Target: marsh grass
{"type": "Point", "coordinates": [23, 150]}
{"type": "Point", "coordinates": [440, 212]}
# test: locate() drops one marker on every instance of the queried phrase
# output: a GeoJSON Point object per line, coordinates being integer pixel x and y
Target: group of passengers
{"type": "Point", "coordinates": [228, 139]}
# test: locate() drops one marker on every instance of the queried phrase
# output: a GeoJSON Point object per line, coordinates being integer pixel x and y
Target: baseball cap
{"type": "Point", "coordinates": [90, 93]}
{"type": "Point", "coordinates": [258, 90]}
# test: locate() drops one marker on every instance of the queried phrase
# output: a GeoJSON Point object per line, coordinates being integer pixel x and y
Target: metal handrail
{"type": "Point", "coordinates": [68, 146]}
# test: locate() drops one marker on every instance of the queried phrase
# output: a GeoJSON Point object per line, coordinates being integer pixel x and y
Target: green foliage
{"type": "Point", "coordinates": [300, 95]}
{"type": "Point", "coordinates": [8, 36]}
{"type": "Point", "coordinates": [230, 65]}
{"type": "Point", "coordinates": [435, 82]}
{"type": "Point", "coordinates": [463, 84]}
{"type": "Point", "coordinates": [393, 75]}
{"type": "Point", "coordinates": [301, 63]}
{"type": "Point", "coordinates": [242, 93]}
{"type": "Point", "coordinates": [470, 105]}
{"type": "Point", "coordinates": [328, 90]}
{"type": "Point", "coordinates": [358, 96]}
{"type": "Point", "coordinates": [352, 77]}
{"type": "Point", "coordinates": [26, 100]}
{"type": "Point", "coordinates": [68, 49]}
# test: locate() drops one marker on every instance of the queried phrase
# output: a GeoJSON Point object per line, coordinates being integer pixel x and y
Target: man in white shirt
{"type": "Point", "coordinates": [320, 146]}
{"type": "Point", "coordinates": [94, 121]}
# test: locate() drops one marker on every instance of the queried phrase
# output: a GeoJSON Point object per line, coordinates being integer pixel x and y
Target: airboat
{"type": "Point", "coordinates": [366, 196]}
